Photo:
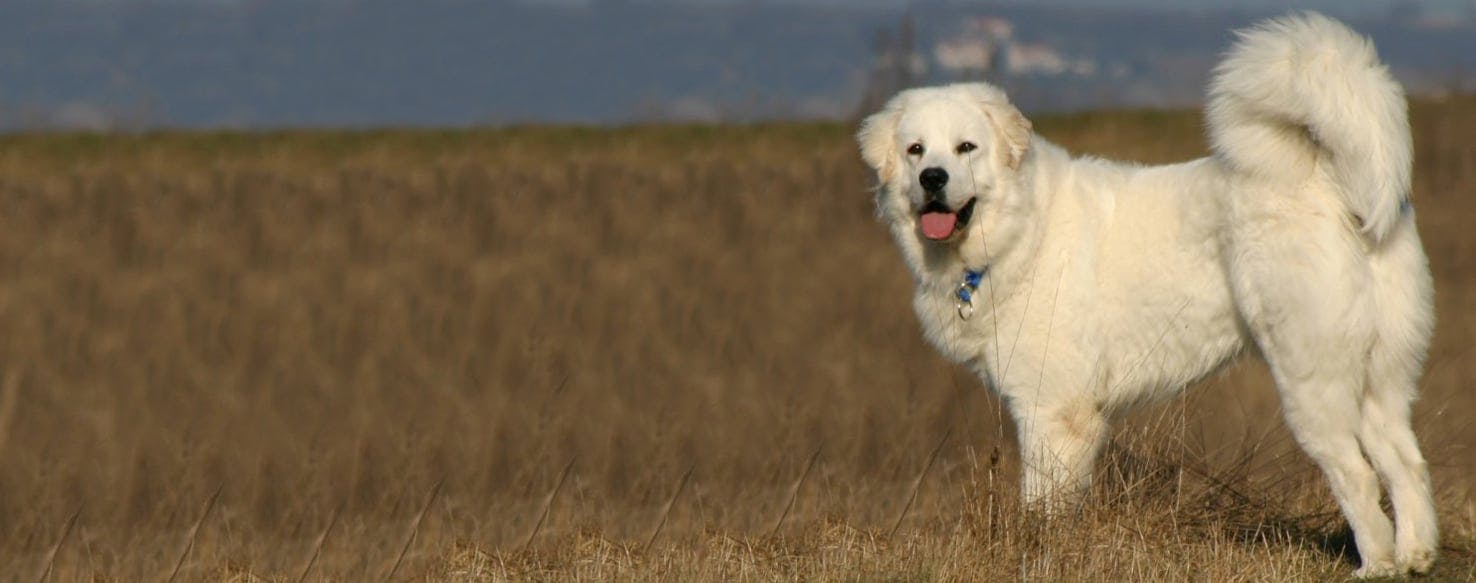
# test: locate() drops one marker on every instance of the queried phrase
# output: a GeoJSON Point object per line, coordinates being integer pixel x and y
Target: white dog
{"type": "Point", "coordinates": [1078, 287]}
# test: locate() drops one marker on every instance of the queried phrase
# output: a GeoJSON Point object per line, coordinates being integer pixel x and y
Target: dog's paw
{"type": "Point", "coordinates": [1378, 570]}
{"type": "Point", "coordinates": [1418, 562]}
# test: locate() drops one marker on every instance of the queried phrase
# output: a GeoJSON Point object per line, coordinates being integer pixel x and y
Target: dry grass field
{"type": "Point", "coordinates": [652, 353]}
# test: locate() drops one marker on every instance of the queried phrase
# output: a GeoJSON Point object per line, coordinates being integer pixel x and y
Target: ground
{"type": "Point", "coordinates": [552, 353]}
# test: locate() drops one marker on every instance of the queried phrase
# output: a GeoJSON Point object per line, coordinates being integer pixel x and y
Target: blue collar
{"type": "Point", "coordinates": [966, 289]}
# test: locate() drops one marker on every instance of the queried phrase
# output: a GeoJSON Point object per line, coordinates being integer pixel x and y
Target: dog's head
{"type": "Point", "coordinates": [940, 153]}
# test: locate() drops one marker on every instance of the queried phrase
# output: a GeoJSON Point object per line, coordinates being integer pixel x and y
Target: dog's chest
{"type": "Point", "coordinates": [959, 339]}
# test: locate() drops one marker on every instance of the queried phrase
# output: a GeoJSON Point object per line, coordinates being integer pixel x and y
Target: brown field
{"type": "Point", "coordinates": [383, 351]}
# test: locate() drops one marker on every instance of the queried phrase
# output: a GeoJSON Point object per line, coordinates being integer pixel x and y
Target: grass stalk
{"type": "Point", "coordinates": [195, 532]}
{"type": "Point", "coordinates": [917, 482]}
{"type": "Point", "coordinates": [414, 529]}
{"type": "Point", "coordinates": [548, 504]}
{"type": "Point", "coordinates": [318, 545]}
{"type": "Point", "coordinates": [666, 512]}
{"type": "Point", "coordinates": [794, 491]}
{"type": "Point", "coordinates": [51, 555]}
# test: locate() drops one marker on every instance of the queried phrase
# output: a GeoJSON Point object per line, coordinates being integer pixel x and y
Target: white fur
{"type": "Point", "coordinates": [1111, 285]}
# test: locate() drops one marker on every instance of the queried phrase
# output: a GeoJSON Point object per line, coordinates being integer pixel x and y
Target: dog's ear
{"type": "Point", "coordinates": [878, 139]}
{"type": "Point", "coordinates": [1014, 129]}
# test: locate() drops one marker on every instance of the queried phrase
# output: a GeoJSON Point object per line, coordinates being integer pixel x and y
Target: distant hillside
{"type": "Point", "coordinates": [268, 63]}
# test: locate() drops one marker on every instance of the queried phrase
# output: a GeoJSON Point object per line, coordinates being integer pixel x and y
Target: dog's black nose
{"type": "Point", "coordinates": [933, 179]}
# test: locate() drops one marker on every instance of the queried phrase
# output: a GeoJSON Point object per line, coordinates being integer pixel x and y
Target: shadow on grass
{"type": "Point", "coordinates": [1252, 499]}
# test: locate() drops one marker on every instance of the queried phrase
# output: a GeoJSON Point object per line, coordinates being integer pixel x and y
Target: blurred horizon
{"type": "Point", "coordinates": [278, 64]}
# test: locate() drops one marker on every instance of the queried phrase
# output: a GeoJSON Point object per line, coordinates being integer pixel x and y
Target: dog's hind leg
{"type": "Point", "coordinates": [1316, 355]}
{"type": "Point", "coordinates": [1323, 412]}
{"type": "Point", "coordinates": [1404, 321]}
{"type": "Point", "coordinates": [1390, 443]}
{"type": "Point", "coordinates": [1305, 290]}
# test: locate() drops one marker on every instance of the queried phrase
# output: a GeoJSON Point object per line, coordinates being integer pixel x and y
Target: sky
{"type": "Point", "coordinates": [136, 64]}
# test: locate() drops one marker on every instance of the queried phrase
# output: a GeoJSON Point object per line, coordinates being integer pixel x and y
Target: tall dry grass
{"type": "Point", "coordinates": [548, 353]}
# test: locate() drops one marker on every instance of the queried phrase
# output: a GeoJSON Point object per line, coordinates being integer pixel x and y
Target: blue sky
{"type": "Point", "coordinates": [365, 63]}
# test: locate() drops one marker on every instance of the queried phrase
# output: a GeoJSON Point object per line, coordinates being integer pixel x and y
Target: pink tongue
{"type": "Point", "coordinates": [938, 225]}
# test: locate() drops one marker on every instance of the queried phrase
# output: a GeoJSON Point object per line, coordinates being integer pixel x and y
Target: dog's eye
{"type": "Point", "coordinates": [966, 147]}
{"type": "Point", "coordinates": [915, 149]}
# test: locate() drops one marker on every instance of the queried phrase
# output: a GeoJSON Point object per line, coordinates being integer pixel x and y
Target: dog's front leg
{"type": "Point", "coordinates": [1058, 448]}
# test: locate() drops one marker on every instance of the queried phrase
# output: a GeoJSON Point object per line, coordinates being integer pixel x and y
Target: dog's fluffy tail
{"type": "Point", "coordinates": [1302, 90]}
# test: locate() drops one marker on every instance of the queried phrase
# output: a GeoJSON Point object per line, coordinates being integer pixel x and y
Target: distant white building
{"type": "Point", "coordinates": [988, 46]}
{"type": "Point", "coordinates": [1026, 59]}
{"type": "Point", "coordinates": [963, 55]}
{"type": "Point", "coordinates": [975, 50]}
